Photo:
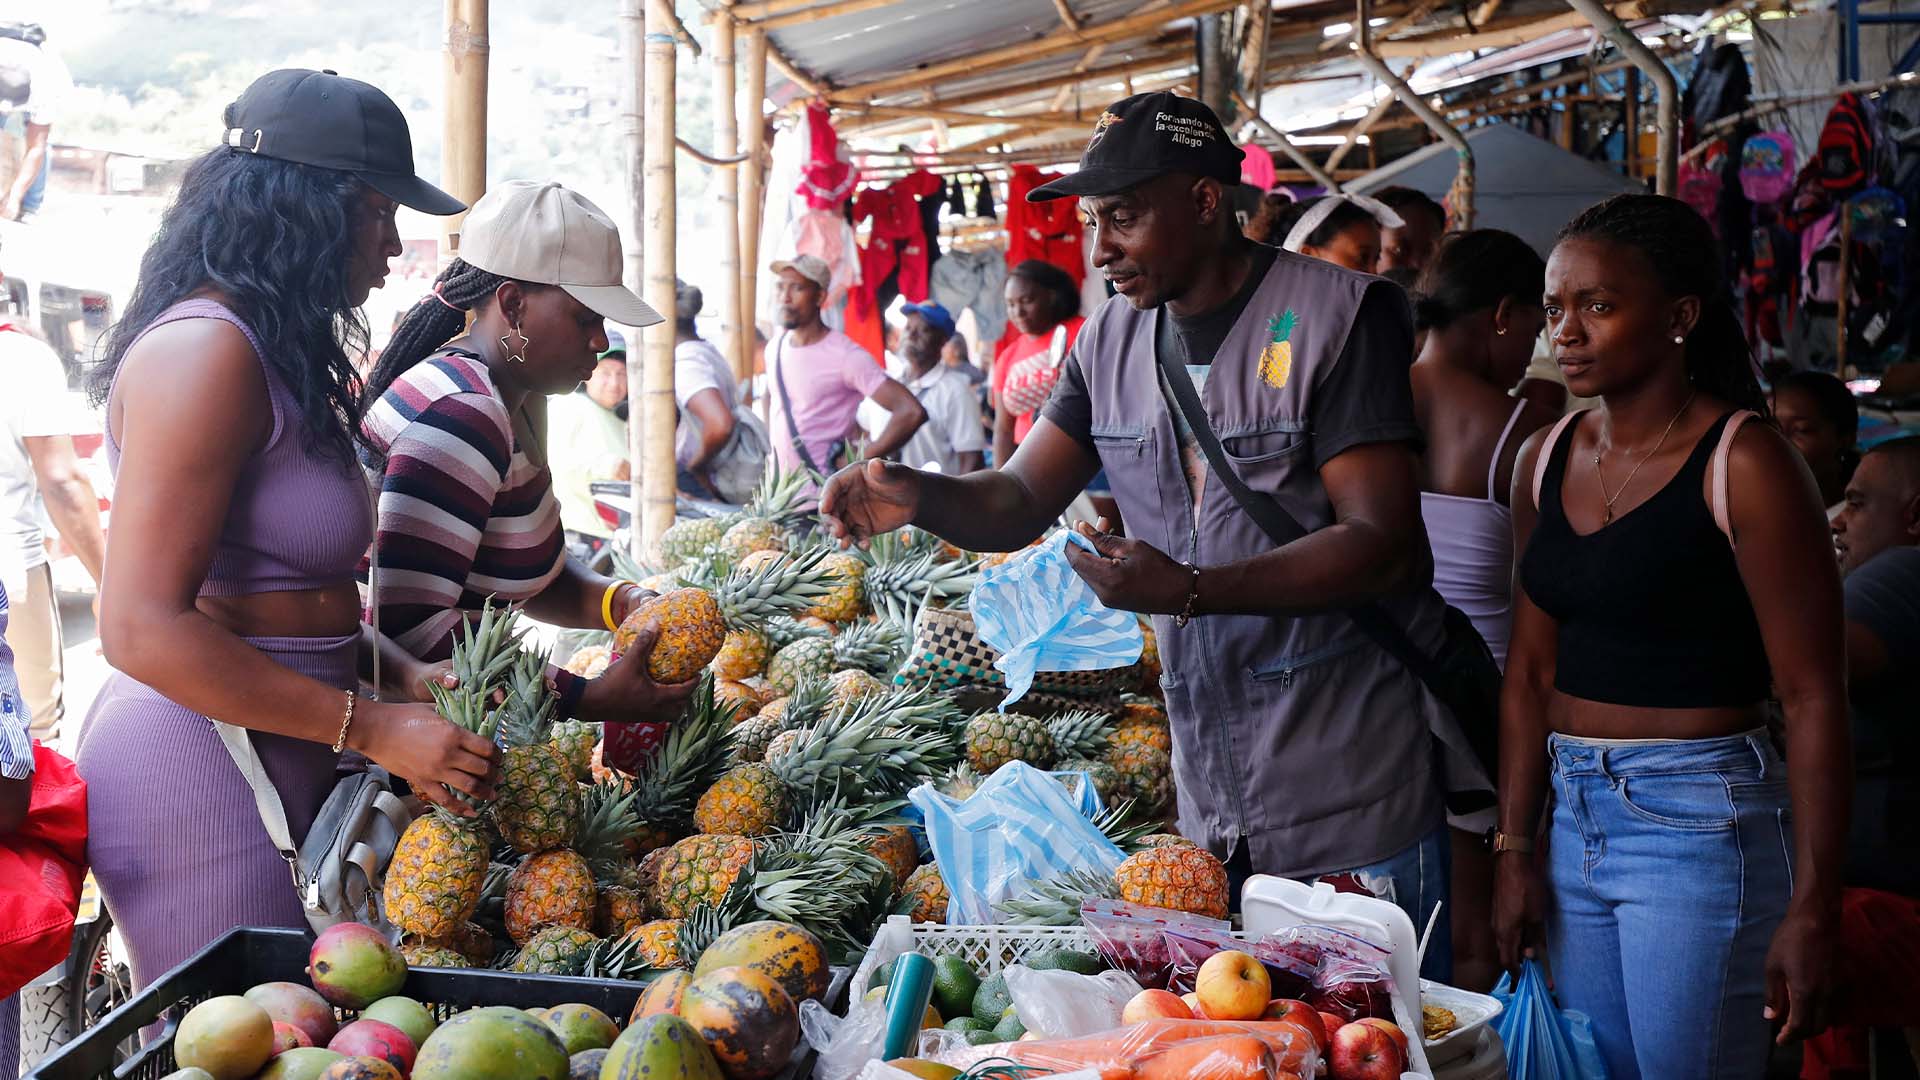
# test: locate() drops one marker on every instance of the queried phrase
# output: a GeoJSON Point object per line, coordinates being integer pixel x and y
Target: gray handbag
{"type": "Point", "coordinates": [337, 869]}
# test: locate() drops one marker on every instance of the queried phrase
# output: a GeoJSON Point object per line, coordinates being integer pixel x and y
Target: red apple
{"type": "Point", "coordinates": [1332, 1022]}
{"type": "Point", "coordinates": [1390, 1028]}
{"type": "Point", "coordinates": [1154, 1004]}
{"type": "Point", "coordinates": [1300, 1013]}
{"type": "Point", "coordinates": [1365, 1052]}
{"type": "Point", "coordinates": [1233, 986]}
{"type": "Point", "coordinates": [1192, 1002]}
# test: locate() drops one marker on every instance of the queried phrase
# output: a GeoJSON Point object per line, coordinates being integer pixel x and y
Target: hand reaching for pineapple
{"type": "Point", "coordinates": [867, 499]}
{"type": "Point", "coordinates": [415, 743]}
{"type": "Point", "coordinates": [626, 691]}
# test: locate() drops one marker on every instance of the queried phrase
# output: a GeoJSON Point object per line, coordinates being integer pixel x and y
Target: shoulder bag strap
{"type": "Point", "coordinates": [1284, 529]}
{"type": "Point", "coordinates": [1722, 514]}
{"type": "Point", "coordinates": [266, 799]}
{"type": "Point", "coordinates": [1546, 453]}
{"type": "Point", "coordinates": [786, 403]}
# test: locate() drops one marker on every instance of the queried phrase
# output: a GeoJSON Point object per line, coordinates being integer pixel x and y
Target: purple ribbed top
{"type": "Point", "coordinates": [298, 519]}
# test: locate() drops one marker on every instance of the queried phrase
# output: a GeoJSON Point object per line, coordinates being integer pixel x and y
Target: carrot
{"type": "Point", "coordinates": [1292, 1046]}
{"type": "Point", "coordinates": [1226, 1057]}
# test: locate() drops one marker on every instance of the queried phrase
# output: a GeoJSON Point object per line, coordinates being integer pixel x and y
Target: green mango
{"type": "Point", "coordinates": [495, 1043]}
{"type": "Point", "coordinates": [660, 1047]}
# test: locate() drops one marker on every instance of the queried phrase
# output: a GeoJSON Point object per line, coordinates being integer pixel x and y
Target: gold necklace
{"type": "Point", "coordinates": [1602, 477]}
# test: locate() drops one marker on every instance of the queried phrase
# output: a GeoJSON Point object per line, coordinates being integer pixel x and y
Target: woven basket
{"type": "Point", "coordinates": [948, 653]}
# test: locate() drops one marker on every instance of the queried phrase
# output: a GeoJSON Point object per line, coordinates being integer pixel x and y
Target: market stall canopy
{"type": "Point", "coordinates": [1527, 186]}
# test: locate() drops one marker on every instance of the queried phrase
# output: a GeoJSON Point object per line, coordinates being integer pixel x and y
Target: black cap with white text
{"type": "Point", "coordinates": [1145, 136]}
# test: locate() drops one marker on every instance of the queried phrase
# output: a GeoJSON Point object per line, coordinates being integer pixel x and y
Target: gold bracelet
{"type": "Point", "coordinates": [606, 604]}
{"type": "Point", "coordinates": [346, 721]}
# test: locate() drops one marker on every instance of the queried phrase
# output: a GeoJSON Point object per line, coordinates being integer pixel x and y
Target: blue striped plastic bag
{"type": "Point", "coordinates": [1020, 827]}
{"type": "Point", "coordinates": [1041, 616]}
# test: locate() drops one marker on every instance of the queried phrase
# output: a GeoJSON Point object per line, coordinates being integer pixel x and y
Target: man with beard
{"type": "Point", "coordinates": [820, 376]}
{"type": "Point", "coordinates": [954, 438]}
{"type": "Point", "coordinates": [1301, 748]}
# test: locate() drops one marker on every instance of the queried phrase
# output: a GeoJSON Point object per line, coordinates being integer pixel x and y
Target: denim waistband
{"type": "Point", "coordinates": [1573, 756]}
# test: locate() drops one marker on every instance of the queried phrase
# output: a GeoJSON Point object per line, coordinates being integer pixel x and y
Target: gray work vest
{"type": "Point", "coordinates": [1296, 733]}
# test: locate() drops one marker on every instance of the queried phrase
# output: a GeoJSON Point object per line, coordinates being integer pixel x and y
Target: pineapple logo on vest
{"type": "Point", "coordinates": [1100, 126]}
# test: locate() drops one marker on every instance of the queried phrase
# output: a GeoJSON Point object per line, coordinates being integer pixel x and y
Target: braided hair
{"type": "Point", "coordinates": [1473, 271]}
{"type": "Point", "coordinates": [1065, 295]}
{"type": "Point", "coordinates": [1685, 255]}
{"type": "Point", "coordinates": [431, 322]}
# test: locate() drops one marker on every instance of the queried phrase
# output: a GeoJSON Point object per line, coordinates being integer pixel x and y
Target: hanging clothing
{"type": "Point", "coordinates": [784, 205]}
{"type": "Point", "coordinates": [976, 281]}
{"type": "Point", "coordinates": [827, 177]}
{"type": "Point", "coordinates": [826, 233]}
{"type": "Point", "coordinates": [1256, 169]}
{"type": "Point", "coordinates": [1049, 231]}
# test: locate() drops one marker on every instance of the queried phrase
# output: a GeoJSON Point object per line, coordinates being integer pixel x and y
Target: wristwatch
{"type": "Point", "coordinates": [1498, 842]}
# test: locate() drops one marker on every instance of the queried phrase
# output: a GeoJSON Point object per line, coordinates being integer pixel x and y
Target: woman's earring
{"type": "Point", "coordinates": [1501, 330]}
{"type": "Point", "coordinates": [519, 355]}
{"type": "Point", "coordinates": [1679, 339]}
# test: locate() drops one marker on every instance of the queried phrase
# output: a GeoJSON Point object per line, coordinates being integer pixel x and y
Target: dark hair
{"type": "Point", "coordinates": [1344, 216]}
{"type": "Point", "coordinates": [1682, 250]}
{"type": "Point", "coordinates": [1831, 399]}
{"type": "Point", "coordinates": [1474, 271]}
{"type": "Point", "coordinates": [432, 321]}
{"type": "Point", "coordinates": [276, 239]}
{"type": "Point", "coordinates": [1273, 206]}
{"type": "Point", "coordinates": [687, 302]}
{"type": "Point", "coordinates": [1403, 200]}
{"type": "Point", "coordinates": [1055, 282]}
{"type": "Point", "coordinates": [1905, 451]}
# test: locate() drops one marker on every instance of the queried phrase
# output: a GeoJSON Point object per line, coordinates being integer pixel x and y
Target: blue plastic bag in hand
{"type": "Point", "coordinates": [1019, 828]}
{"type": "Point", "coordinates": [1040, 616]}
{"type": "Point", "coordinates": [1544, 1042]}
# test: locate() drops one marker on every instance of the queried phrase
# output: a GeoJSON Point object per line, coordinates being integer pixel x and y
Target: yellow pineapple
{"type": "Point", "coordinates": [657, 943]}
{"type": "Point", "coordinates": [848, 598]}
{"type": "Point", "coordinates": [783, 744]}
{"type": "Point", "coordinates": [590, 662]}
{"type": "Point", "coordinates": [690, 633]}
{"type": "Point", "coordinates": [1276, 360]}
{"type": "Point", "coordinates": [742, 655]}
{"type": "Point", "coordinates": [1142, 725]}
{"type": "Point", "coordinates": [553, 888]}
{"type": "Point", "coordinates": [928, 891]}
{"type": "Point", "coordinates": [760, 560]}
{"type": "Point", "coordinates": [622, 909]}
{"type": "Point", "coordinates": [1177, 877]}
{"type": "Point", "coordinates": [699, 869]}
{"type": "Point", "coordinates": [753, 535]}
{"type": "Point", "coordinates": [748, 801]}
{"type": "Point", "coordinates": [1146, 777]}
{"type": "Point", "coordinates": [537, 802]}
{"type": "Point", "coordinates": [894, 846]}
{"type": "Point", "coordinates": [847, 687]}
{"type": "Point", "coordinates": [745, 700]}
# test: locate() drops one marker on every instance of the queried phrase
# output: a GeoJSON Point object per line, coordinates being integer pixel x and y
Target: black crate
{"type": "Point", "coordinates": [244, 957]}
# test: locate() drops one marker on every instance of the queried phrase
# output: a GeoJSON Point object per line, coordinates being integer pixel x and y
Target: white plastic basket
{"type": "Point", "coordinates": [989, 949]}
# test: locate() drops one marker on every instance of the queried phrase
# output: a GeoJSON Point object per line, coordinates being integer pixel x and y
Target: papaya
{"type": "Point", "coordinates": [494, 1043]}
{"type": "Point", "coordinates": [788, 954]}
{"type": "Point", "coordinates": [661, 997]}
{"type": "Point", "coordinates": [746, 1017]}
{"type": "Point", "coordinates": [362, 1068]}
{"type": "Point", "coordinates": [660, 1047]}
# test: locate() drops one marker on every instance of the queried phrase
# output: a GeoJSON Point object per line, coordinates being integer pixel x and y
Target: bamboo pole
{"type": "Point", "coordinates": [752, 197]}
{"type": "Point", "coordinates": [1299, 156]}
{"type": "Point", "coordinates": [464, 131]}
{"type": "Point", "coordinates": [1158, 60]}
{"type": "Point", "coordinates": [813, 87]}
{"type": "Point", "coordinates": [655, 469]}
{"type": "Point", "coordinates": [632, 25]}
{"type": "Point", "coordinates": [1379, 113]}
{"type": "Point", "coordinates": [1666, 88]}
{"type": "Point", "coordinates": [815, 14]}
{"type": "Point", "coordinates": [1046, 45]}
{"type": "Point", "coordinates": [726, 140]}
{"type": "Point", "coordinates": [1253, 52]}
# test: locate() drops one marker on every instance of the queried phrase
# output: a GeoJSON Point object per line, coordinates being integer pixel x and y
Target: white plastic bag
{"type": "Point", "coordinates": [1067, 1004]}
{"type": "Point", "coordinates": [1020, 827]}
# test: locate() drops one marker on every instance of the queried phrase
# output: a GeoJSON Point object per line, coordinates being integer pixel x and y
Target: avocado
{"type": "Point", "coordinates": [954, 985]}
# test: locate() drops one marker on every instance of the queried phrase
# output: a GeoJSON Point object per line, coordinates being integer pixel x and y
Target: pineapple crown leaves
{"type": "Point", "coordinates": [1056, 901]}
{"type": "Point", "coordinates": [779, 497]}
{"type": "Point", "coordinates": [613, 958]}
{"type": "Point", "coordinates": [528, 711]}
{"type": "Point", "coordinates": [873, 647]}
{"type": "Point", "coordinates": [784, 630]}
{"type": "Point", "coordinates": [607, 822]}
{"type": "Point", "coordinates": [694, 754]}
{"type": "Point", "coordinates": [708, 920]}
{"type": "Point", "coordinates": [1118, 823]}
{"type": "Point", "coordinates": [1281, 325]}
{"type": "Point", "coordinates": [626, 567]}
{"type": "Point", "coordinates": [785, 586]}
{"type": "Point", "coordinates": [487, 649]}
{"type": "Point", "coordinates": [807, 704]}
{"type": "Point", "coordinates": [1082, 733]}
{"type": "Point", "coordinates": [858, 751]}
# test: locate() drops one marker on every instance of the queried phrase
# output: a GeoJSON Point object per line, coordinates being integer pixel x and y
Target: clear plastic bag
{"type": "Point", "coordinates": [1543, 1041]}
{"type": "Point", "coordinates": [1132, 937]}
{"type": "Point", "coordinates": [1066, 1004]}
{"type": "Point", "coordinates": [1021, 826]}
{"type": "Point", "coordinates": [1292, 1052]}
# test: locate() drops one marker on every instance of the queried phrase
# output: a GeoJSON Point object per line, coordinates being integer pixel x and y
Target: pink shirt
{"type": "Point", "coordinates": [827, 380]}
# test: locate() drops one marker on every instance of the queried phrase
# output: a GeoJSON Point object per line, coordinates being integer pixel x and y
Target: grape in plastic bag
{"type": "Point", "coordinates": [1132, 937]}
{"type": "Point", "coordinates": [1544, 1042]}
{"type": "Point", "coordinates": [1350, 978]}
{"type": "Point", "coordinates": [1067, 1004]}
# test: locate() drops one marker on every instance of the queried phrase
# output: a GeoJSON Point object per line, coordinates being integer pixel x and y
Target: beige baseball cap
{"type": "Point", "coordinates": [545, 234]}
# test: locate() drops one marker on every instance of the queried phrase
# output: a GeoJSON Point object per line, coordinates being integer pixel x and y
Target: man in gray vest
{"type": "Point", "coordinates": [1300, 748]}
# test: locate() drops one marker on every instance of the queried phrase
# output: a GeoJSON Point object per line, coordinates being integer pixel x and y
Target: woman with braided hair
{"type": "Point", "coordinates": [1676, 574]}
{"type": "Point", "coordinates": [455, 438]}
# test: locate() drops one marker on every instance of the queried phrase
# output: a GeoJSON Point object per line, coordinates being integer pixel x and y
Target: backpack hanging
{"type": "Point", "coordinates": [1767, 166]}
{"type": "Point", "coordinates": [1846, 151]}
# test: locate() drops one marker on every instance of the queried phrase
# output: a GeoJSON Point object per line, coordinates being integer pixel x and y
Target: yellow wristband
{"type": "Point", "coordinates": [606, 604]}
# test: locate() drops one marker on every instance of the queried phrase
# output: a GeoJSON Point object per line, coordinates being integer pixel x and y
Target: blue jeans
{"type": "Point", "coordinates": [1670, 866]}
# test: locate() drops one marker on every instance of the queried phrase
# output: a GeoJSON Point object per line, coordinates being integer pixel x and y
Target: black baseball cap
{"type": "Point", "coordinates": [1144, 136]}
{"type": "Point", "coordinates": [324, 119]}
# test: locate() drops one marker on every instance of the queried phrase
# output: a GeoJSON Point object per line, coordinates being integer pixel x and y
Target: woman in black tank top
{"type": "Point", "coordinates": [1675, 570]}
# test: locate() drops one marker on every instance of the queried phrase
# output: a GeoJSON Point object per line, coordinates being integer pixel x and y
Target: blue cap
{"type": "Point", "coordinates": [936, 316]}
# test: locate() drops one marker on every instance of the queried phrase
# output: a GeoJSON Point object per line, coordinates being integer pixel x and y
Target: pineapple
{"type": "Point", "coordinates": [873, 647]}
{"type": "Point", "coordinates": [556, 950]}
{"type": "Point", "coordinates": [1180, 878]}
{"type": "Point", "coordinates": [760, 560]}
{"type": "Point", "coordinates": [1082, 733]}
{"type": "Point", "coordinates": [806, 658]}
{"type": "Point", "coordinates": [537, 806]}
{"type": "Point", "coordinates": [847, 599]}
{"type": "Point", "coordinates": [784, 744]}
{"type": "Point", "coordinates": [1146, 777]}
{"type": "Point", "coordinates": [1276, 360]}
{"type": "Point", "coordinates": [743, 699]}
{"type": "Point", "coordinates": [750, 740]}
{"type": "Point", "coordinates": [928, 892]}
{"type": "Point", "coordinates": [647, 877]}
{"type": "Point", "coordinates": [694, 754]}
{"type": "Point", "coordinates": [1158, 840]}
{"type": "Point", "coordinates": [657, 943]}
{"type": "Point", "coordinates": [820, 627]}
{"type": "Point", "coordinates": [699, 869]}
{"type": "Point", "coordinates": [575, 740]}
{"type": "Point", "coordinates": [1056, 901]}
{"type": "Point", "coordinates": [691, 538]}
{"type": "Point", "coordinates": [743, 654]}
{"type": "Point", "coordinates": [750, 535]}
{"type": "Point", "coordinates": [900, 579]}
{"type": "Point", "coordinates": [1138, 727]}
{"type": "Point", "coordinates": [748, 801]}
{"type": "Point", "coordinates": [439, 867]}
{"type": "Point", "coordinates": [894, 846]}
{"type": "Point", "coordinates": [622, 909]}
{"type": "Point", "coordinates": [993, 739]}
{"type": "Point", "coordinates": [852, 685]}
{"type": "Point", "coordinates": [590, 662]}
{"type": "Point", "coordinates": [428, 954]}
{"type": "Point", "coordinates": [1105, 778]}
{"type": "Point", "coordinates": [784, 630]}
{"type": "Point", "coordinates": [693, 621]}
{"type": "Point", "coordinates": [962, 782]}
{"type": "Point", "coordinates": [553, 888]}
